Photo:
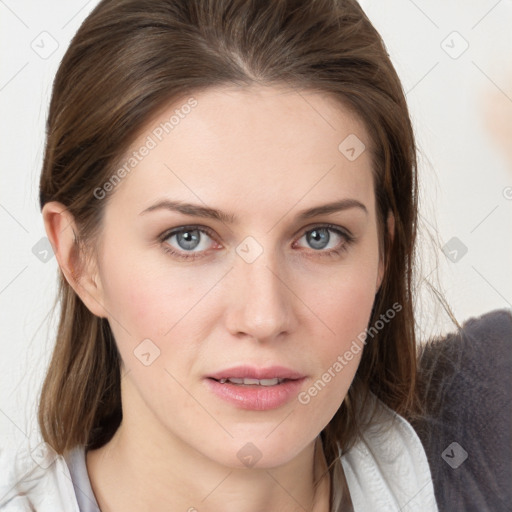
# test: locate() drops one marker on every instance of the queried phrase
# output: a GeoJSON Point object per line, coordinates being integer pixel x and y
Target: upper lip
{"type": "Point", "coordinates": [253, 372]}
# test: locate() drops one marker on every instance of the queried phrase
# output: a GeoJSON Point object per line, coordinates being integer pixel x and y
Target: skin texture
{"type": "Point", "coordinates": [263, 154]}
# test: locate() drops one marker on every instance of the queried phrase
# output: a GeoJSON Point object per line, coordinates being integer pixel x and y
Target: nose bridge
{"type": "Point", "coordinates": [261, 303]}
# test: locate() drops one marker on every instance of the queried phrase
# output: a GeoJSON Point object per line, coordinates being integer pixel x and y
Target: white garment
{"type": "Point", "coordinates": [386, 471]}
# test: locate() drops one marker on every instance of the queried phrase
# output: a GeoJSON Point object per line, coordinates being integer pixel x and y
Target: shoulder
{"type": "Point", "coordinates": [387, 468]}
{"type": "Point", "coordinates": [483, 344]}
{"type": "Point", "coordinates": [34, 477]}
{"type": "Point", "coordinates": [465, 380]}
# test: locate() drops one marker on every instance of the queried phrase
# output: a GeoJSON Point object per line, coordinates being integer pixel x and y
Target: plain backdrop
{"type": "Point", "coordinates": [455, 61]}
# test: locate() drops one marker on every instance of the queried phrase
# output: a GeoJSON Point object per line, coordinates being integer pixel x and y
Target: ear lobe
{"type": "Point", "coordinates": [80, 272]}
{"type": "Point", "coordinates": [390, 226]}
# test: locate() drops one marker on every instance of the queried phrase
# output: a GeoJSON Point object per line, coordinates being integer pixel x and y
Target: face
{"type": "Point", "coordinates": [219, 260]}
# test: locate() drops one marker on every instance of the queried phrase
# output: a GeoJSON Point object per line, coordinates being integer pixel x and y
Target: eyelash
{"type": "Point", "coordinates": [348, 240]}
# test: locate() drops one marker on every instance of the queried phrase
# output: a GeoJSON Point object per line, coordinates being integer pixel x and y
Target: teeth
{"type": "Point", "coordinates": [245, 381]}
{"type": "Point", "coordinates": [253, 382]}
{"type": "Point", "coordinates": [269, 382]}
{"type": "Point", "coordinates": [237, 381]}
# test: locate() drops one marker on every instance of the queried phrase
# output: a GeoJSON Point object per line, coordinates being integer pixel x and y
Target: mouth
{"type": "Point", "coordinates": [252, 382]}
{"type": "Point", "coordinates": [257, 389]}
{"type": "Point", "coordinates": [252, 375]}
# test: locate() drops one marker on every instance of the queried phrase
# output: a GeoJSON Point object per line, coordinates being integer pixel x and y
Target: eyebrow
{"type": "Point", "coordinates": [196, 210]}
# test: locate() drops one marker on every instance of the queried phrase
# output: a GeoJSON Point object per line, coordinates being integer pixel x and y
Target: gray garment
{"type": "Point", "coordinates": [80, 478]}
{"type": "Point", "coordinates": [466, 383]}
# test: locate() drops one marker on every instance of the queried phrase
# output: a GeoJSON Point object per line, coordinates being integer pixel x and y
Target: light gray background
{"type": "Point", "coordinates": [461, 104]}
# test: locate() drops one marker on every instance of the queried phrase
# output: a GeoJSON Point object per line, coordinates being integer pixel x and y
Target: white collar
{"type": "Point", "coordinates": [387, 469]}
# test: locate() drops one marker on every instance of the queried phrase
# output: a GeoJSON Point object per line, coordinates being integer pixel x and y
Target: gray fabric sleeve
{"type": "Point", "coordinates": [465, 381]}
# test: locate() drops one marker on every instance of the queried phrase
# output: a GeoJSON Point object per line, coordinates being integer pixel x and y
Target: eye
{"type": "Point", "coordinates": [187, 239]}
{"type": "Point", "coordinates": [190, 242]}
{"type": "Point", "coordinates": [327, 239]}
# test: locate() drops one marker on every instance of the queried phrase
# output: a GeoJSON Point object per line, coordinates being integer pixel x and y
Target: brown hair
{"type": "Point", "coordinates": [131, 58]}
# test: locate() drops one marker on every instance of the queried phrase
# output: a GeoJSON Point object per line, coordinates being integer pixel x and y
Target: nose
{"type": "Point", "coordinates": [261, 304]}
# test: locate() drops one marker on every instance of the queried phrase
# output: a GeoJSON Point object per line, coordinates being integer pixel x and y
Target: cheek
{"type": "Point", "coordinates": [346, 313]}
{"type": "Point", "coordinates": [344, 298]}
{"type": "Point", "coordinates": [344, 304]}
{"type": "Point", "coordinates": [149, 298]}
{"type": "Point", "coordinates": [134, 297]}
{"type": "Point", "coordinates": [349, 314]}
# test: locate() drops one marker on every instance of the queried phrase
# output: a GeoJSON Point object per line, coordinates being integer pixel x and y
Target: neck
{"type": "Point", "coordinates": [135, 473]}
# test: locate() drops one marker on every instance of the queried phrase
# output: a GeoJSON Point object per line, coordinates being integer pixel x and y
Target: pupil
{"type": "Point", "coordinates": [188, 239]}
{"type": "Point", "coordinates": [319, 238]}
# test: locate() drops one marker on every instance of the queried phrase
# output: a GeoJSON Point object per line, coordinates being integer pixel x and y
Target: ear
{"type": "Point", "coordinates": [79, 270]}
{"type": "Point", "coordinates": [390, 226]}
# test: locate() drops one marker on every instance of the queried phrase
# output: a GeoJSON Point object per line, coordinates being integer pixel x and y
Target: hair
{"type": "Point", "coordinates": [128, 61]}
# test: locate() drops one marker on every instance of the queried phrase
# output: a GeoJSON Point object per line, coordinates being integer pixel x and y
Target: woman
{"type": "Point", "coordinates": [230, 191]}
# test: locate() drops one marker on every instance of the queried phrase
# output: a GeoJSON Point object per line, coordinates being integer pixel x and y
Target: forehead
{"type": "Point", "coordinates": [259, 146]}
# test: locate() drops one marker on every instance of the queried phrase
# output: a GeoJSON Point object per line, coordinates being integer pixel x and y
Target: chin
{"type": "Point", "coordinates": [259, 450]}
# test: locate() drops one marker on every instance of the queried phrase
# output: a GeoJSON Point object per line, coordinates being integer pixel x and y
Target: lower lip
{"type": "Point", "coordinates": [256, 398]}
